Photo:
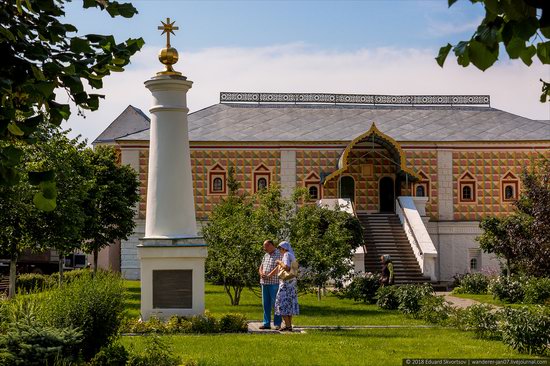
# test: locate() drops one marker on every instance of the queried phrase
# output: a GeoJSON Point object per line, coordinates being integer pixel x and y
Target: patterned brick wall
{"type": "Point", "coordinates": [244, 162]}
{"type": "Point", "coordinates": [425, 161]}
{"type": "Point", "coordinates": [488, 168]}
{"type": "Point", "coordinates": [318, 161]}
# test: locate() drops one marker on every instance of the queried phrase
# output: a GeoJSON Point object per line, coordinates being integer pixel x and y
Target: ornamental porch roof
{"type": "Point", "coordinates": [248, 122]}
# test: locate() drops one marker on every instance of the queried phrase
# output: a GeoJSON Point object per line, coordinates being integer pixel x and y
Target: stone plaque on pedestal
{"type": "Point", "coordinates": [173, 289]}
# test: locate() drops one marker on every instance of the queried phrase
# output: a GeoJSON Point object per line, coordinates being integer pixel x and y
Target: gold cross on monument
{"type": "Point", "coordinates": [168, 28]}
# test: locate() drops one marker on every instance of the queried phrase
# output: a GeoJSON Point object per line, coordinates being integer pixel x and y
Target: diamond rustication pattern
{"type": "Point", "coordinates": [236, 97]}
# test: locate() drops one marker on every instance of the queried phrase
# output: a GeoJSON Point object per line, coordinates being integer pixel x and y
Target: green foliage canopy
{"type": "Point", "coordinates": [41, 56]}
{"type": "Point", "coordinates": [521, 26]}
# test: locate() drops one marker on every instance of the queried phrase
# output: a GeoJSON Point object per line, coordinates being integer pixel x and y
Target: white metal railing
{"type": "Point", "coordinates": [421, 243]}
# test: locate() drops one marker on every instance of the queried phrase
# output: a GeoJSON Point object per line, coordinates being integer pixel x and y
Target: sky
{"type": "Point", "coordinates": [365, 47]}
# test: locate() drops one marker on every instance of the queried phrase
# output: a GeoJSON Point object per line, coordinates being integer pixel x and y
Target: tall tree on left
{"type": "Point", "coordinates": [41, 58]}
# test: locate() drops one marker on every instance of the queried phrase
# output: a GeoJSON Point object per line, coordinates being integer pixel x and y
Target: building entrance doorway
{"type": "Point", "coordinates": [386, 191]}
{"type": "Point", "coordinates": [347, 188]}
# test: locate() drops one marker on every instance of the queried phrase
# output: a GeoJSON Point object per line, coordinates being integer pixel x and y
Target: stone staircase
{"type": "Point", "coordinates": [384, 234]}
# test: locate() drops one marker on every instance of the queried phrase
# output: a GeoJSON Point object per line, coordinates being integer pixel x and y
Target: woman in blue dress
{"type": "Point", "coordinates": [286, 303]}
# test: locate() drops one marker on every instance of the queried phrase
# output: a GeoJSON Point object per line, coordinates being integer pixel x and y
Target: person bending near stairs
{"type": "Point", "coordinates": [387, 278]}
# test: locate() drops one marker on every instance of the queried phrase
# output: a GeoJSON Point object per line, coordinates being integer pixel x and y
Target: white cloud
{"type": "Point", "coordinates": [298, 68]}
{"type": "Point", "coordinates": [441, 29]}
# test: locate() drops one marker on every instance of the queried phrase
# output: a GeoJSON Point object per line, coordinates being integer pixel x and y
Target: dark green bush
{"type": "Point", "coordinates": [434, 309]}
{"type": "Point", "coordinates": [507, 289]}
{"type": "Point", "coordinates": [527, 330]}
{"type": "Point", "coordinates": [36, 344]}
{"type": "Point", "coordinates": [155, 353]}
{"type": "Point", "coordinates": [473, 283]}
{"type": "Point", "coordinates": [388, 297]}
{"type": "Point", "coordinates": [34, 282]}
{"type": "Point", "coordinates": [362, 288]}
{"type": "Point", "coordinates": [94, 305]}
{"type": "Point", "coordinates": [112, 355]}
{"type": "Point", "coordinates": [537, 291]}
{"type": "Point", "coordinates": [410, 297]}
{"type": "Point", "coordinates": [205, 323]}
{"type": "Point", "coordinates": [233, 323]}
{"type": "Point", "coordinates": [483, 320]}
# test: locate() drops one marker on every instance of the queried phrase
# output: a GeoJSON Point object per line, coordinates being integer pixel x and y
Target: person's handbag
{"type": "Point", "coordinates": [288, 275]}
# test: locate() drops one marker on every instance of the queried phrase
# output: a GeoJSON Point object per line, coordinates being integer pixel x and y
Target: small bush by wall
{"type": "Point", "coordinates": [33, 282]}
{"type": "Point", "coordinates": [388, 297]}
{"type": "Point", "coordinates": [472, 283]}
{"type": "Point", "coordinates": [434, 309]}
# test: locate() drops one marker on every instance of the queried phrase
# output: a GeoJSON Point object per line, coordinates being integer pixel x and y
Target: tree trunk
{"type": "Point", "coordinates": [319, 293]}
{"type": "Point", "coordinates": [61, 266]}
{"type": "Point", "coordinates": [96, 253]}
{"type": "Point", "coordinates": [13, 276]}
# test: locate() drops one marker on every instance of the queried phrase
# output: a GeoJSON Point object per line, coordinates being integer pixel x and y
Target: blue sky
{"type": "Point", "coordinates": [337, 25]}
{"type": "Point", "coordinates": [370, 47]}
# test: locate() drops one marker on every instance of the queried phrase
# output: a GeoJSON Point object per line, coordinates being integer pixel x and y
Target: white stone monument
{"type": "Point", "coordinates": [171, 254]}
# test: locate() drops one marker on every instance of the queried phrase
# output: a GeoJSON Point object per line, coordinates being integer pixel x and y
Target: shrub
{"type": "Point", "coordinates": [94, 305]}
{"type": "Point", "coordinates": [155, 353]}
{"type": "Point", "coordinates": [410, 297]}
{"type": "Point", "coordinates": [537, 290]}
{"type": "Point", "coordinates": [526, 330]}
{"type": "Point", "coordinates": [388, 297]}
{"type": "Point", "coordinates": [434, 309]}
{"type": "Point", "coordinates": [473, 283]}
{"type": "Point", "coordinates": [34, 282]}
{"type": "Point", "coordinates": [70, 276]}
{"type": "Point", "coordinates": [112, 355]}
{"type": "Point", "coordinates": [233, 323]}
{"type": "Point", "coordinates": [507, 289]}
{"type": "Point", "coordinates": [36, 344]}
{"type": "Point", "coordinates": [362, 288]}
{"type": "Point", "coordinates": [204, 323]}
{"type": "Point", "coordinates": [483, 321]}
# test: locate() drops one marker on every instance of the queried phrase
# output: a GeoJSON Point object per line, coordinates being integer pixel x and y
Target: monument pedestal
{"type": "Point", "coordinates": [172, 276]}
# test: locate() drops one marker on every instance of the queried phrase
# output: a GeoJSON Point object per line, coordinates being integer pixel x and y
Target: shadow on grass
{"type": "Point", "coordinates": [364, 333]}
{"type": "Point", "coordinates": [328, 311]}
{"type": "Point", "coordinates": [133, 290]}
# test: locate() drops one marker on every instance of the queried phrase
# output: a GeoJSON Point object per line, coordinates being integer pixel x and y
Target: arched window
{"type": "Point", "coordinates": [262, 183]}
{"type": "Point", "coordinates": [467, 188]}
{"type": "Point", "coordinates": [262, 177]}
{"type": "Point", "coordinates": [217, 176]}
{"type": "Point", "coordinates": [509, 193]}
{"type": "Point", "coordinates": [420, 191]}
{"type": "Point", "coordinates": [313, 192]}
{"type": "Point", "coordinates": [217, 185]}
{"type": "Point", "coordinates": [473, 264]}
{"type": "Point", "coordinates": [466, 193]}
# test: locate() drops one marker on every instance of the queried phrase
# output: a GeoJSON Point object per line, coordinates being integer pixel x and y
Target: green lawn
{"type": "Point", "coordinates": [329, 311]}
{"type": "Point", "coordinates": [377, 346]}
{"type": "Point", "coordinates": [351, 347]}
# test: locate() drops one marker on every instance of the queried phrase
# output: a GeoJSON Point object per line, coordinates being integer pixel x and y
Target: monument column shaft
{"type": "Point", "coordinates": [170, 199]}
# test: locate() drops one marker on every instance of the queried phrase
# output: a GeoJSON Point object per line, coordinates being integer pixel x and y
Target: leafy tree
{"type": "Point", "coordinates": [236, 230]}
{"type": "Point", "coordinates": [521, 26]}
{"type": "Point", "coordinates": [18, 213]}
{"type": "Point", "coordinates": [62, 228]}
{"type": "Point", "coordinates": [323, 241]}
{"type": "Point", "coordinates": [109, 205]}
{"type": "Point", "coordinates": [523, 238]}
{"type": "Point", "coordinates": [41, 56]}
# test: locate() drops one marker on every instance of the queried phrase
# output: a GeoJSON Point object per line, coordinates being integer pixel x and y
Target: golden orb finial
{"type": "Point", "coordinates": [168, 56]}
